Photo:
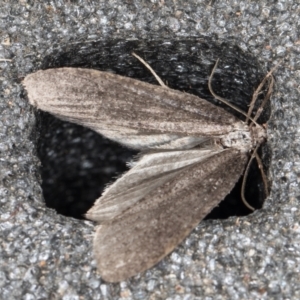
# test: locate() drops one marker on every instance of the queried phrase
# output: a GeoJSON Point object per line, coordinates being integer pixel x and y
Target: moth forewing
{"type": "Point", "coordinates": [150, 172]}
{"type": "Point", "coordinates": [143, 234]}
{"type": "Point", "coordinates": [126, 110]}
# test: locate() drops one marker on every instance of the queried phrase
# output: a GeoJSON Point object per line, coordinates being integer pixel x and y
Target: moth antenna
{"type": "Point", "coordinates": [266, 98]}
{"type": "Point", "coordinates": [222, 99]}
{"type": "Point", "coordinates": [255, 96]}
{"type": "Point", "coordinates": [151, 70]}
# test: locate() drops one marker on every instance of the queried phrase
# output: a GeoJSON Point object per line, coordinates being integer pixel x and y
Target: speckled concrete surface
{"type": "Point", "coordinates": [45, 255]}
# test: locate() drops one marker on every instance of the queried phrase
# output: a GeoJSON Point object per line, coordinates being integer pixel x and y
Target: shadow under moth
{"type": "Point", "coordinates": [193, 153]}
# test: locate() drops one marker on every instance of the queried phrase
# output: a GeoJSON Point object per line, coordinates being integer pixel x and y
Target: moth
{"type": "Point", "coordinates": [192, 154]}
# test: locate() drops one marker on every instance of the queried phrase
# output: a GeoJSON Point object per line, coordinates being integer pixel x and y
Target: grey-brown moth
{"type": "Point", "coordinates": [193, 153]}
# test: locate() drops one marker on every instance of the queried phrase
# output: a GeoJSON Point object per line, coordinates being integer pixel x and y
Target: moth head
{"type": "Point", "coordinates": [259, 134]}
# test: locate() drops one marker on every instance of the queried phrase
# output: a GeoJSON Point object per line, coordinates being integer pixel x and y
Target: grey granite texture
{"type": "Point", "coordinates": [45, 255]}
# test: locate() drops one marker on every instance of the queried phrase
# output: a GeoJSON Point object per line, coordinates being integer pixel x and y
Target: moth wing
{"type": "Point", "coordinates": [150, 172]}
{"type": "Point", "coordinates": [134, 113]}
{"type": "Point", "coordinates": [141, 236]}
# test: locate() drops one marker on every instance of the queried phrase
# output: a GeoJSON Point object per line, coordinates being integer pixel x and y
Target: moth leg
{"type": "Point", "coordinates": [270, 77]}
{"type": "Point", "coordinates": [263, 175]}
{"type": "Point", "coordinates": [151, 70]}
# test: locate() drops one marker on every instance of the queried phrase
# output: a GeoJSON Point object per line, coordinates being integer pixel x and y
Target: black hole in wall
{"type": "Point", "coordinates": [78, 163]}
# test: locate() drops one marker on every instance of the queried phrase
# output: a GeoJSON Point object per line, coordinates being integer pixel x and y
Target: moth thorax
{"type": "Point", "coordinates": [238, 139]}
{"type": "Point", "coordinates": [244, 138]}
